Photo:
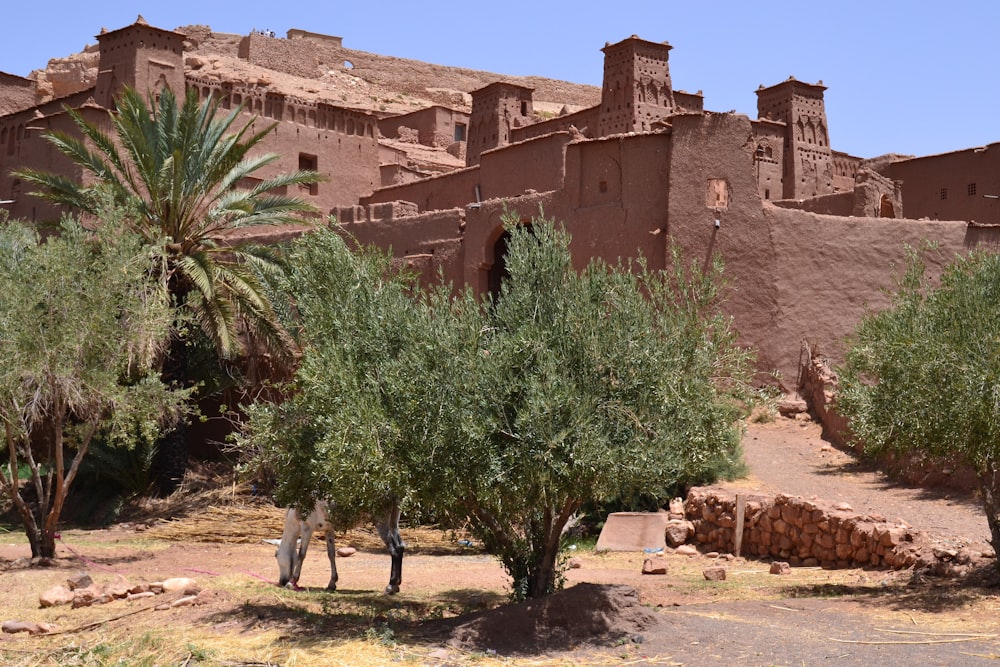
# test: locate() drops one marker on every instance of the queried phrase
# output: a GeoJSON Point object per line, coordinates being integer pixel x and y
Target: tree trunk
{"type": "Point", "coordinates": [170, 462]}
{"type": "Point", "coordinates": [989, 488]}
{"type": "Point", "coordinates": [542, 581]}
{"type": "Point", "coordinates": [43, 543]}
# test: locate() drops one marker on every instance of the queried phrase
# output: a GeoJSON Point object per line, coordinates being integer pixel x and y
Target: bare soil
{"type": "Point", "coordinates": [453, 609]}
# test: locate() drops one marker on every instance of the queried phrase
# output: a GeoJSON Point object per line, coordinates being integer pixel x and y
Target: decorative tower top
{"type": "Point", "coordinates": [496, 109]}
{"type": "Point", "coordinates": [139, 56]}
{"type": "Point", "coordinates": [808, 168]}
{"type": "Point", "coordinates": [637, 88]}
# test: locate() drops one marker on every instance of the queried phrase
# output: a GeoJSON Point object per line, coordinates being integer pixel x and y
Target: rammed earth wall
{"type": "Point", "coordinates": [799, 531]}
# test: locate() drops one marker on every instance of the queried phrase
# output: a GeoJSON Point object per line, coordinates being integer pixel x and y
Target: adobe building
{"type": "Point", "coordinates": [809, 236]}
{"type": "Point", "coordinates": [961, 185]}
{"type": "Point", "coordinates": [336, 141]}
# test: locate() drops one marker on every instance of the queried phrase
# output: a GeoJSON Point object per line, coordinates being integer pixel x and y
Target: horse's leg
{"type": "Point", "coordinates": [388, 530]}
{"type": "Point", "coordinates": [289, 564]}
{"type": "Point", "coordinates": [331, 550]}
{"type": "Point", "coordinates": [306, 529]}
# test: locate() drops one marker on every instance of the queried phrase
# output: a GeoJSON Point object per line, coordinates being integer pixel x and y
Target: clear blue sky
{"type": "Point", "coordinates": [902, 76]}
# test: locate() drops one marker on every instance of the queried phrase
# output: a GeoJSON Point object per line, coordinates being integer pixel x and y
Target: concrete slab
{"type": "Point", "coordinates": [633, 531]}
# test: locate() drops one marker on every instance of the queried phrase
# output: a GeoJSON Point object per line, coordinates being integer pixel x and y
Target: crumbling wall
{"type": "Point", "coordinates": [839, 203]}
{"type": "Point", "coordinates": [818, 384]}
{"type": "Point", "coordinates": [876, 196]}
{"type": "Point", "coordinates": [799, 531]}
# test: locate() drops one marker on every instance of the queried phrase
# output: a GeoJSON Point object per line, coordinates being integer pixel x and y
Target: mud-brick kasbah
{"type": "Point", "coordinates": [425, 160]}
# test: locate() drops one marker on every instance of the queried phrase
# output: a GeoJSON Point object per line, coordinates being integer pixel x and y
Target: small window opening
{"type": "Point", "coordinates": [309, 163]}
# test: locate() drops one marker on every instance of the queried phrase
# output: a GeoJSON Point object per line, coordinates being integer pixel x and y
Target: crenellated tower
{"type": "Point", "coordinates": [496, 109]}
{"type": "Point", "coordinates": [141, 57]}
{"type": "Point", "coordinates": [637, 89]}
{"type": "Point", "coordinates": [808, 161]}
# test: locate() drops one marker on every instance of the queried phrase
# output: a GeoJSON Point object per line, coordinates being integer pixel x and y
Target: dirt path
{"type": "Point", "coordinates": [791, 457]}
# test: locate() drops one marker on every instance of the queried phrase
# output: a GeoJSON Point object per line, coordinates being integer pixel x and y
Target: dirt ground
{"type": "Point", "coordinates": [451, 608]}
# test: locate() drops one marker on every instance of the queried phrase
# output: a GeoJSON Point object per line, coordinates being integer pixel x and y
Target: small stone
{"type": "Point", "coordinates": [678, 532]}
{"type": "Point", "coordinates": [345, 552]}
{"type": "Point", "coordinates": [792, 405]}
{"type": "Point", "coordinates": [843, 507]}
{"type": "Point", "coordinates": [55, 596]}
{"type": "Point", "coordinates": [85, 597]}
{"type": "Point", "coordinates": [140, 596]}
{"type": "Point", "coordinates": [118, 590]}
{"type": "Point", "coordinates": [717, 573]}
{"type": "Point", "coordinates": [574, 563]}
{"type": "Point", "coordinates": [184, 601]}
{"type": "Point", "coordinates": [13, 627]}
{"type": "Point", "coordinates": [654, 566]}
{"type": "Point", "coordinates": [184, 584]}
{"type": "Point", "coordinates": [780, 567]}
{"type": "Point", "coordinates": [944, 554]}
{"type": "Point", "coordinates": [81, 580]}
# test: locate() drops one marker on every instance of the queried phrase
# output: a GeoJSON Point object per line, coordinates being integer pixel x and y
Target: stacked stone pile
{"type": "Point", "coordinates": [82, 591]}
{"type": "Point", "coordinates": [801, 532]}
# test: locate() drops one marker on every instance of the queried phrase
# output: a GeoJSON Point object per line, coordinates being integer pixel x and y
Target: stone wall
{"type": "Point", "coordinates": [799, 531]}
{"type": "Point", "coordinates": [291, 56]}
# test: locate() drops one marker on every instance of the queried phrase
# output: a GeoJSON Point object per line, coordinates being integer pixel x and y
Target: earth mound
{"type": "Point", "coordinates": [582, 614]}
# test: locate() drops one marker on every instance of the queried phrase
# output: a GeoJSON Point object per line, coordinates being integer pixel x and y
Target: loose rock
{"type": "Point", "coordinates": [55, 596]}
{"type": "Point", "coordinates": [654, 566]}
{"type": "Point", "coordinates": [780, 567]}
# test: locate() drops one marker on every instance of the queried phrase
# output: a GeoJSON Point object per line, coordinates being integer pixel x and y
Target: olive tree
{"type": "Point", "coordinates": [923, 375]}
{"type": "Point", "coordinates": [82, 320]}
{"type": "Point", "coordinates": [508, 415]}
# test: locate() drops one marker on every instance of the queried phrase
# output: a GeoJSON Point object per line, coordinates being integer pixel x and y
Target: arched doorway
{"type": "Point", "coordinates": [886, 209]}
{"type": "Point", "coordinates": [498, 271]}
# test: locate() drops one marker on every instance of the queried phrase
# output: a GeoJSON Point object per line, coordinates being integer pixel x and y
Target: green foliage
{"type": "Point", "coordinates": [572, 387]}
{"type": "Point", "coordinates": [187, 175]}
{"type": "Point", "coordinates": [179, 170]}
{"type": "Point", "coordinates": [924, 374]}
{"type": "Point", "coordinates": [81, 323]}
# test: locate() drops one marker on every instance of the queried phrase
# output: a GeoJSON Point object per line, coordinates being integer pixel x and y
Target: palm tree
{"type": "Point", "coordinates": [180, 171]}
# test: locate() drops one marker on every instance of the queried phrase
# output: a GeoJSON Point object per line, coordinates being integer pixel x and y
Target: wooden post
{"type": "Point", "coordinates": [741, 507]}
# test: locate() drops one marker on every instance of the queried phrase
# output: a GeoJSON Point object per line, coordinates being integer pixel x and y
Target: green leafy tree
{"type": "Point", "coordinates": [923, 375]}
{"type": "Point", "coordinates": [81, 322]}
{"type": "Point", "coordinates": [182, 171]}
{"type": "Point", "coordinates": [572, 387]}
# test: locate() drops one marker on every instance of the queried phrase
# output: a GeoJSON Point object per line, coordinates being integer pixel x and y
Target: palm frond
{"type": "Point", "coordinates": [178, 167]}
